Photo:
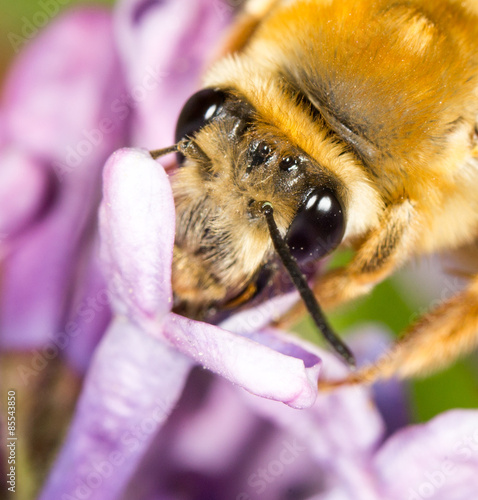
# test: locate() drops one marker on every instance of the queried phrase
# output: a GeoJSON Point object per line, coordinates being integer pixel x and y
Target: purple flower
{"type": "Point", "coordinates": [130, 418]}
{"type": "Point", "coordinates": [151, 423]}
{"type": "Point", "coordinates": [52, 155]}
{"type": "Point", "coordinates": [78, 92]}
{"type": "Point", "coordinates": [142, 362]}
{"type": "Point", "coordinates": [137, 228]}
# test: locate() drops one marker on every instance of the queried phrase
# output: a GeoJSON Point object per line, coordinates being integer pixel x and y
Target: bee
{"type": "Point", "coordinates": [330, 124]}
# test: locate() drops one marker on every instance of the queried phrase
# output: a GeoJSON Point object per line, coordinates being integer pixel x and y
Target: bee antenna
{"type": "Point", "coordinates": [303, 288]}
{"type": "Point", "coordinates": [161, 152]}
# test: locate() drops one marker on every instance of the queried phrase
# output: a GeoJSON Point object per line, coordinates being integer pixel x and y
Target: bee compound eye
{"type": "Point", "coordinates": [318, 227]}
{"type": "Point", "coordinates": [199, 110]}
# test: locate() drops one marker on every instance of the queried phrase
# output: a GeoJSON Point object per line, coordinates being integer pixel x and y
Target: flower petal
{"type": "Point", "coordinates": [258, 368]}
{"type": "Point", "coordinates": [340, 432]}
{"type": "Point", "coordinates": [218, 448]}
{"type": "Point", "coordinates": [60, 93]}
{"type": "Point", "coordinates": [137, 222]}
{"type": "Point", "coordinates": [254, 319]}
{"type": "Point", "coordinates": [132, 386]}
{"type": "Point", "coordinates": [211, 438]}
{"type": "Point", "coordinates": [160, 81]}
{"type": "Point", "coordinates": [56, 110]}
{"type": "Point", "coordinates": [368, 342]}
{"type": "Point", "coordinates": [90, 311]}
{"type": "Point", "coordinates": [341, 422]}
{"type": "Point", "coordinates": [45, 256]}
{"type": "Point", "coordinates": [23, 191]}
{"type": "Point", "coordinates": [437, 460]}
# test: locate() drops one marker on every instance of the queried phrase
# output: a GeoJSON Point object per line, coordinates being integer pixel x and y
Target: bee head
{"type": "Point", "coordinates": [233, 152]}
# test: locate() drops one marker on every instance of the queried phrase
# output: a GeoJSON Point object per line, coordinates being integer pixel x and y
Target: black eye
{"type": "Point", "coordinates": [201, 108]}
{"type": "Point", "coordinates": [260, 154]}
{"type": "Point", "coordinates": [318, 227]}
{"type": "Point", "coordinates": [288, 163]}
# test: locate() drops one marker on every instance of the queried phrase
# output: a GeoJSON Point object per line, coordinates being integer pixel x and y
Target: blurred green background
{"type": "Point", "coordinates": [389, 304]}
{"type": "Point", "coordinates": [19, 15]}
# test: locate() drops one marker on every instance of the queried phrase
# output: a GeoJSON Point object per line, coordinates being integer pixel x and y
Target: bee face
{"type": "Point", "coordinates": [231, 164]}
{"type": "Point", "coordinates": [333, 123]}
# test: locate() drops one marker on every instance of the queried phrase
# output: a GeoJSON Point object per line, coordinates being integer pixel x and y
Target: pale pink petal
{"type": "Point", "coordinates": [90, 310]}
{"type": "Point", "coordinates": [165, 47]}
{"type": "Point", "coordinates": [261, 370]}
{"type": "Point", "coordinates": [437, 460]}
{"type": "Point", "coordinates": [137, 230]}
{"type": "Point", "coordinates": [131, 388]}
{"type": "Point", "coordinates": [254, 319]}
{"type": "Point", "coordinates": [57, 103]}
{"type": "Point", "coordinates": [60, 93]}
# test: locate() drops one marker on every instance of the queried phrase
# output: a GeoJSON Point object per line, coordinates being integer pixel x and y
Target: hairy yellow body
{"type": "Point", "coordinates": [381, 100]}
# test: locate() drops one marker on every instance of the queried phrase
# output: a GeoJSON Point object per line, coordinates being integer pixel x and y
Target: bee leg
{"type": "Point", "coordinates": [383, 250]}
{"type": "Point", "coordinates": [435, 341]}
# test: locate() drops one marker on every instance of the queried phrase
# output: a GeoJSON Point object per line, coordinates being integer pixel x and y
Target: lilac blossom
{"type": "Point", "coordinates": [137, 229]}
{"type": "Point", "coordinates": [130, 416]}
{"type": "Point", "coordinates": [53, 103]}
{"type": "Point", "coordinates": [77, 93]}
{"type": "Point", "coordinates": [151, 422]}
